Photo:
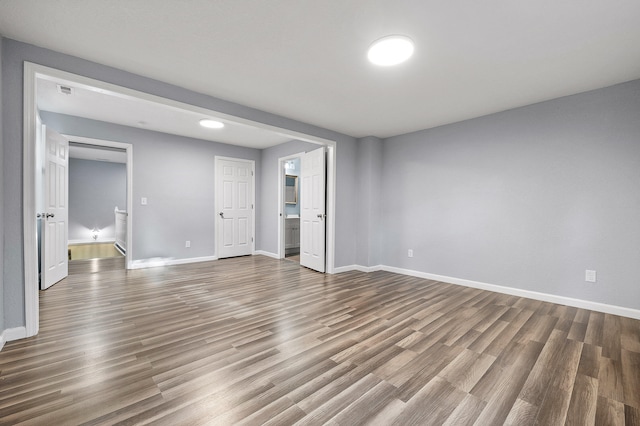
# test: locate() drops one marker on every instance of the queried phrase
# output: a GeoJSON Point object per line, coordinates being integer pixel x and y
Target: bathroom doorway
{"type": "Point", "coordinates": [290, 208]}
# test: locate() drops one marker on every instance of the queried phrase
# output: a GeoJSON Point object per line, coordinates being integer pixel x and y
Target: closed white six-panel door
{"type": "Point", "coordinates": [234, 201]}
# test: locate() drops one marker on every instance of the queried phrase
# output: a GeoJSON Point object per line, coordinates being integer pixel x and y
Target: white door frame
{"type": "Point", "coordinates": [281, 207]}
{"type": "Point", "coordinates": [217, 207]}
{"type": "Point", "coordinates": [128, 258]}
{"type": "Point", "coordinates": [34, 71]}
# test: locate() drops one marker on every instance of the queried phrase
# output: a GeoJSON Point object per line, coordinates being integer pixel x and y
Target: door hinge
{"type": "Point", "coordinates": [251, 206]}
{"type": "Point", "coordinates": [251, 172]}
{"type": "Point", "coordinates": [251, 239]}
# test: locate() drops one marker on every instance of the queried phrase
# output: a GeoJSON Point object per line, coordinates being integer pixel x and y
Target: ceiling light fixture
{"type": "Point", "coordinates": [211, 124]}
{"type": "Point", "coordinates": [390, 50]}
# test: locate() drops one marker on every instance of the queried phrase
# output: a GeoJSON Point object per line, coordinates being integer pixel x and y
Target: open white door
{"type": "Point", "coordinates": [313, 210]}
{"type": "Point", "coordinates": [55, 263]}
{"type": "Point", "coordinates": [234, 203]}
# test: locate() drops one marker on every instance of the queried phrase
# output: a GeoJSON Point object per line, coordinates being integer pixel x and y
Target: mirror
{"type": "Point", "coordinates": [291, 189]}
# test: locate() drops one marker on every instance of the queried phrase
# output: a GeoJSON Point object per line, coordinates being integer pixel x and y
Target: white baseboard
{"type": "Point", "coordinates": [91, 241]}
{"type": "Point", "coordinates": [167, 261]}
{"type": "Point", "coordinates": [267, 253]}
{"type": "Point", "coordinates": [341, 269]}
{"type": "Point", "coordinates": [12, 334]}
{"type": "Point", "coordinates": [545, 297]}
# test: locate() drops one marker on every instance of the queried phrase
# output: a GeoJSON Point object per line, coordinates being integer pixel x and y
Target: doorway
{"type": "Point", "coordinates": [33, 73]}
{"type": "Point", "coordinates": [291, 207]}
{"type": "Point", "coordinates": [100, 193]}
{"type": "Point", "coordinates": [97, 202]}
{"type": "Point", "coordinates": [305, 229]}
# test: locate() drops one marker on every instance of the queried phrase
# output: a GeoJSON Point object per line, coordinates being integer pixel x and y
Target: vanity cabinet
{"type": "Point", "coordinates": [292, 234]}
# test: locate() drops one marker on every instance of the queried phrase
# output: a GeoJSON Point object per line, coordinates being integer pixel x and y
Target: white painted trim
{"type": "Point", "coordinates": [91, 241]}
{"type": "Point", "coordinates": [360, 268]}
{"type": "Point", "coordinates": [545, 297]}
{"type": "Point", "coordinates": [268, 254]}
{"type": "Point", "coordinates": [155, 262]}
{"type": "Point", "coordinates": [33, 71]}
{"type": "Point", "coordinates": [12, 334]}
{"type": "Point", "coordinates": [129, 164]}
{"type": "Point", "coordinates": [30, 241]}
{"type": "Point", "coordinates": [48, 73]}
{"type": "Point", "coordinates": [330, 209]}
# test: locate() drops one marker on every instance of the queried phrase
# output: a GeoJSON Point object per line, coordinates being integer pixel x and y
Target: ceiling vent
{"type": "Point", "coordinates": [65, 90]}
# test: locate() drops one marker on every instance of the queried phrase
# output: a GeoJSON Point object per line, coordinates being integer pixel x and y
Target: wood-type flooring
{"type": "Point", "coordinates": [254, 340]}
{"type": "Point", "coordinates": [93, 251]}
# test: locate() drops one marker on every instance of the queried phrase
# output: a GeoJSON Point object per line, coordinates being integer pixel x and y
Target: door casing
{"type": "Point", "coordinates": [281, 206]}
{"type": "Point", "coordinates": [32, 72]}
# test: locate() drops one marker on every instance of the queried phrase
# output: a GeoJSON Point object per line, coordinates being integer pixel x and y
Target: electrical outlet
{"type": "Point", "coordinates": [410, 253]}
{"type": "Point", "coordinates": [590, 276]}
{"type": "Point", "coordinates": [187, 244]}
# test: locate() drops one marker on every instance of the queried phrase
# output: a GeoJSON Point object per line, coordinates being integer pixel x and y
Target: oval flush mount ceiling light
{"type": "Point", "coordinates": [211, 124]}
{"type": "Point", "coordinates": [390, 50]}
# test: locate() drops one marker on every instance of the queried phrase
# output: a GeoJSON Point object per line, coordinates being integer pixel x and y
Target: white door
{"type": "Point", "coordinates": [312, 210]}
{"type": "Point", "coordinates": [55, 263]}
{"type": "Point", "coordinates": [234, 203]}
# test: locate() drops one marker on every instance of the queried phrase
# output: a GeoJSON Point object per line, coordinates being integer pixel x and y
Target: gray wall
{"type": "Point", "coordinates": [268, 194]}
{"type": "Point", "coordinates": [15, 53]}
{"type": "Point", "coordinates": [369, 178]}
{"type": "Point", "coordinates": [95, 189]}
{"type": "Point", "coordinates": [528, 198]}
{"type": "Point", "coordinates": [175, 174]}
{"type": "Point", "coordinates": [2, 98]}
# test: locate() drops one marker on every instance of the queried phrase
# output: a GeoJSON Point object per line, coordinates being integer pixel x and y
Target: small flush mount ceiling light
{"type": "Point", "coordinates": [390, 50]}
{"type": "Point", "coordinates": [211, 124]}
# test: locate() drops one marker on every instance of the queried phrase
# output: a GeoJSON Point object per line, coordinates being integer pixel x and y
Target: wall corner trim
{"type": "Point", "coordinates": [267, 253]}
{"type": "Point", "coordinates": [545, 297]}
{"type": "Point", "coordinates": [12, 334]}
{"type": "Point", "coordinates": [360, 268]}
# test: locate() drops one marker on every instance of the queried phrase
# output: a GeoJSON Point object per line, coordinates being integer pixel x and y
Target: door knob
{"type": "Point", "coordinates": [221, 214]}
{"type": "Point", "coordinates": [48, 215]}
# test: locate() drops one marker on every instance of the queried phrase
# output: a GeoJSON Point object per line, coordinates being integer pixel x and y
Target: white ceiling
{"type": "Point", "coordinates": [306, 59]}
{"type": "Point", "coordinates": [134, 112]}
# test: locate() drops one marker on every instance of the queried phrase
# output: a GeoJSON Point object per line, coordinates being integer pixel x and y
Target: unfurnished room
{"type": "Point", "coordinates": [319, 212]}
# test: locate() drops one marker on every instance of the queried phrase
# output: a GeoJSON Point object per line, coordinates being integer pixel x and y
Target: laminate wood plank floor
{"type": "Point", "coordinates": [254, 340]}
{"type": "Point", "coordinates": [93, 251]}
